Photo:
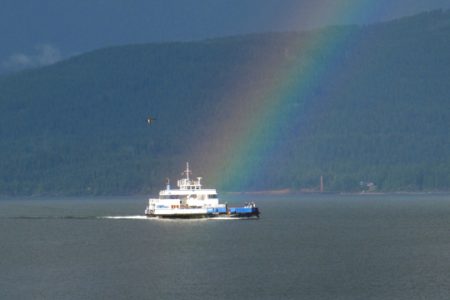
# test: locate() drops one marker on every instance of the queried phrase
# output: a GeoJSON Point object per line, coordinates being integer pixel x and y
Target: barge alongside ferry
{"type": "Point", "coordinates": [190, 200]}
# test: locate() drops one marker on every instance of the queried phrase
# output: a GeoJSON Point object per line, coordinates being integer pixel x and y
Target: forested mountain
{"type": "Point", "coordinates": [382, 116]}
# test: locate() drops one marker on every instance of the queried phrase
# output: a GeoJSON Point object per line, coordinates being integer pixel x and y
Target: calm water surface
{"type": "Point", "coordinates": [303, 247]}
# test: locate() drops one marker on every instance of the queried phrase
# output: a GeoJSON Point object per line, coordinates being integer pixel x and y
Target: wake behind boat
{"type": "Point", "coordinates": [190, 200]}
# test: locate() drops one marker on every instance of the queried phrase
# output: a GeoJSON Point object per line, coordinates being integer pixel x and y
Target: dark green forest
{"type": "Point", "coordinates": [79, 127]}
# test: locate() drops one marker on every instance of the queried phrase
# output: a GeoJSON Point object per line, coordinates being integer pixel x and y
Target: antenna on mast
{"type": "Point", "coordinates": [187, 171]}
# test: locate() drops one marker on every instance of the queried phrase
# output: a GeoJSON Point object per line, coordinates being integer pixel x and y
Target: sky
{"type": "Point", "coordinates": [40, 32]}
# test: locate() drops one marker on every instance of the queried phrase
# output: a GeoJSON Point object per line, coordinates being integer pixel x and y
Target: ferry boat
{"type": "Point", "coordinates": [191, 200]}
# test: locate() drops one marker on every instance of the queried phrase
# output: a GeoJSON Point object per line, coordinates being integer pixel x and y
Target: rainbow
{"type": "Point", "coordinates": [246, 139]}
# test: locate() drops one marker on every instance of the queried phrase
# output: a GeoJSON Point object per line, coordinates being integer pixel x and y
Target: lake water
{"type": "Point", "coordinates": [303, 247]}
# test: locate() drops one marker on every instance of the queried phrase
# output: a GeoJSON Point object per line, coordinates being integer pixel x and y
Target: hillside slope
{"type": "Point", "coordinates": [79, 126]}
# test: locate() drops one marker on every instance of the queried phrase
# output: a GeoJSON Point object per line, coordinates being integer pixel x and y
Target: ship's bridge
{"type": "Point", "coordinates": [187, 184]}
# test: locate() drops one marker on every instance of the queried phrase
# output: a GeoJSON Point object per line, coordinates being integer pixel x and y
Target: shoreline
{"type": "Point", "coordinates": [311, 192]}
{"type": "Point", "coordinates": [276, 192]}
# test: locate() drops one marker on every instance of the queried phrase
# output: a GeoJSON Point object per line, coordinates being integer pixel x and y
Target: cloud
{"type": "Point", "coordinates": [48, 54]}
{"type": "Point", "coordinates": [44, 54]}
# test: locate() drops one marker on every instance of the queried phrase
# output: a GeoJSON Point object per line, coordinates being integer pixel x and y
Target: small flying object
{"type": "Point", "coordinates": [150, 120]}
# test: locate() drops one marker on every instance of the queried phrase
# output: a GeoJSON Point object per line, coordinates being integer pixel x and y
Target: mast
{"type": "Point", "coordinates": [187, 183]}
{"type": "Point", "coordinates": [187, 171]}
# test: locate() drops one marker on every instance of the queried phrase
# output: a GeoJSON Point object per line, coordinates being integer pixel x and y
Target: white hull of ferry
{"type": "Point", "coordinates": [191, 213]}
{"type": "Point", "coordinates": [178, 213]}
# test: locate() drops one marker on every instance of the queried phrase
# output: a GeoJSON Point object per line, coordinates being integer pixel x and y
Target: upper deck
{"type": "Point", "coordinates": [187, 186]}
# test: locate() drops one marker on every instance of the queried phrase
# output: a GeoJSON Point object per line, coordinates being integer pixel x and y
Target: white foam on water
{"type": "Point", "coordinates": [141, 217]}
{"type": "Point", "coordinates": [138, 217]}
